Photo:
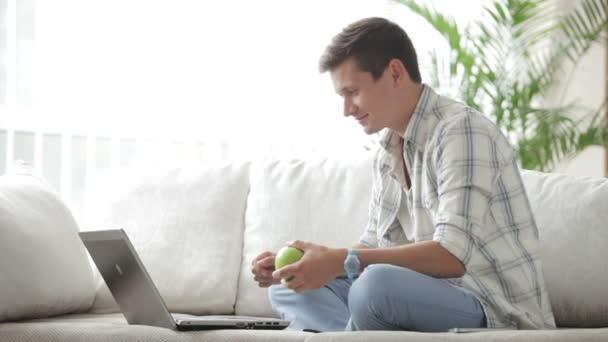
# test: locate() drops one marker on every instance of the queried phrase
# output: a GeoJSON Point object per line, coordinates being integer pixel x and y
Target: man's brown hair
{"type": "Point", "coordinates": [372, 42]}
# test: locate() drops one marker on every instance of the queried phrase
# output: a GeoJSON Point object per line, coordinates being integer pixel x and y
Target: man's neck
{"type": "Point", "coordinates": [408, 103]}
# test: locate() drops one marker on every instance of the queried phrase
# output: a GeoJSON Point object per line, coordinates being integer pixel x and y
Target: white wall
{"type": "Point", "coordinates": [588, 86]}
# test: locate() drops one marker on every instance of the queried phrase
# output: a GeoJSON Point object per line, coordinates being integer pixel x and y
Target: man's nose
{"type": "Point", "coordinates": [349, 107]}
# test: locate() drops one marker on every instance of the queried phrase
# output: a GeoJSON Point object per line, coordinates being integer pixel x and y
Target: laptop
{"type": "Point", "coordinates": [138, 297]}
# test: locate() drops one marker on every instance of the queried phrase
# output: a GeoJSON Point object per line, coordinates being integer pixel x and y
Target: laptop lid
{"type": "Point", "coordinates": [127, 278]}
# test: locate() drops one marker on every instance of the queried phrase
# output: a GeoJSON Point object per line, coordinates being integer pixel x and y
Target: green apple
{"type": "Point", "coordinates": [286, 256]}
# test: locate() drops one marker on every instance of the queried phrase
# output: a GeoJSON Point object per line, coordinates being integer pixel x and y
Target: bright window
{"type": "Point", "coordinates": [88, 84]}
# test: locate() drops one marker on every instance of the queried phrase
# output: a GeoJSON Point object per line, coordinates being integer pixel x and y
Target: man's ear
{"type": "Point", "coordinates": [397, 70]}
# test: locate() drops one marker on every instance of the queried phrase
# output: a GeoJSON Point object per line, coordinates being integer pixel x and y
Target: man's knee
{"type": "Point", "coordinates": [282, 298]}
{"type": "Point", "coordinates": [375, 279]}
{"type": "Point", "coordinates": [279, 294]}
{"type": "Point", "coordinates": [320, 309]}
{"type": "Point", "coordinates": [370, 297]}
{"type": "Point", "coordinates": [365, 294]}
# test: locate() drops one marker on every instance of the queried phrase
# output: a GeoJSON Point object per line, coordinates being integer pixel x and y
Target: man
{"type": "Point", "coordinates": [445, 178]}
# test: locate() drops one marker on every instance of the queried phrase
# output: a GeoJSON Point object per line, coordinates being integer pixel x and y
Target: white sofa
{"type": "Point", "coordinates": [197, 229]}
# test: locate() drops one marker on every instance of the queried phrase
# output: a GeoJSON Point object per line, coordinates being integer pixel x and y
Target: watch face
{"type": "Point", "coordinates": [352, 265]}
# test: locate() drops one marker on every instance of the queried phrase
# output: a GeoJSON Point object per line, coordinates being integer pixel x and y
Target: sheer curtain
{"type": "Point", "coordinates": [93, 84]}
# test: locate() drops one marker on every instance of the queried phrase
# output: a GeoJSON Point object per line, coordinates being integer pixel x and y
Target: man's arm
{"type": "Point", "coordinates": [427, 257]}
{"type": "Point", "coordinates": [320, 264]}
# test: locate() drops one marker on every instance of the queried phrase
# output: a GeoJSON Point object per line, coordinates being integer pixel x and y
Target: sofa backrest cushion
{"type": "Point", "coordinates": [572, 218]}
{"type": "Point", "coordinates": [322, 201]}
{"type": "Point", "coordinates": [44, 269]}
{"type": "Point", "coordinates": [186, 225]}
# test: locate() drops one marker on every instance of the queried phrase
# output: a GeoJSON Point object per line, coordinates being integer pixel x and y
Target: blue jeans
{"type": "Point", "coordinates": [384, 297]}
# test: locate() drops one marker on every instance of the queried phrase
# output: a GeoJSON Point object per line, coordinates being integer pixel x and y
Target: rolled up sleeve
{"type": "Point", "coordinates": [466, 163]}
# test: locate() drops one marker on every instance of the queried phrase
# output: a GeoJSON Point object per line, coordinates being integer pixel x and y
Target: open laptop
{"type": "Point", "coordinates": [138, 297]}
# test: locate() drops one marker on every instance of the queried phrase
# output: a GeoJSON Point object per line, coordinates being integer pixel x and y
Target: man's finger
{"type": "Point", "coordinates": [262, 279]}
{"type": "Point", "coordinates": [262, 271]}
{"type": "Point", "coordinates": [261, 256]}
{"type": "Point", "coordinates": [282, 273]}
{"type": "Point", "coordinates": [267, 262]}
{"type": "Point", "coordinates": [292, 284]}
{"type": "Point", "coordinates": [264, 275]}
{"type": "Point", "coordinates": [299, 244]}
{"type": "Point", "coordinates": [266, 283]}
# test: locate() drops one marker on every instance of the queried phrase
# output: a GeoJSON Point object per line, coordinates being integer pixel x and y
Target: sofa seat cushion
{"type": "Point", "coordinates": [114, 328]}
{"type": "Point", "coordinates": [186, 225]}
{"type": "Point", "coordinates": [572, 215]}
{"type": "Point", "coordinates": [558, 335]}
{"type": "Point", "coordinates": [44, 270]}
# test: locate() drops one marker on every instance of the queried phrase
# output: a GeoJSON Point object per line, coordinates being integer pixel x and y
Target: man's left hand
{"type": "Point", "coordinates": [318, 266]}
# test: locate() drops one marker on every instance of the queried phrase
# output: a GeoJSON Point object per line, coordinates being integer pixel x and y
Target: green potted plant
{"type": "Point", "coordinates": [506, 62]}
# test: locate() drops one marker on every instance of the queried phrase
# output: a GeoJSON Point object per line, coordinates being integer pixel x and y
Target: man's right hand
{"type": "Point", "coordinates": [262, 267]}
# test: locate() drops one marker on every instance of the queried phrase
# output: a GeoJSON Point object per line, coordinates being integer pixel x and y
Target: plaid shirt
{"type": "Point", "coordinates": [467, 194]}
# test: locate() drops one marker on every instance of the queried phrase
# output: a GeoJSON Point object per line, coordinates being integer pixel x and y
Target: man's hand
{"type": "Point", "coordinates": [262, 267]}
{"type": "Point", "coordinates": [317, 267]}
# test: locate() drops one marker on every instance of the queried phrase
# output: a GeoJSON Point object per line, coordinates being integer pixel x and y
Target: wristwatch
{"type": "Point", "coordinates": [352, 264]}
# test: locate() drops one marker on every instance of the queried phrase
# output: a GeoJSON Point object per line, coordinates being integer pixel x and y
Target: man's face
{"type": "Point", "coordinates": [366, 100]}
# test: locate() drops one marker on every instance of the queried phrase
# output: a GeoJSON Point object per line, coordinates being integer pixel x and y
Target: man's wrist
{"type": "Point", "coordinates": [339, 255]}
